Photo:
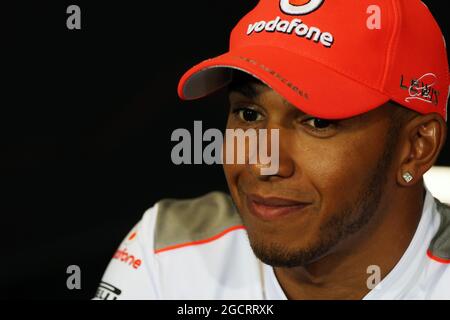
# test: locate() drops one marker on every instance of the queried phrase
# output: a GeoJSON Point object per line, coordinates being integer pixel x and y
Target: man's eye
{"type": "Point", "coordinates": [318, 123]}
{"type": "Point", "coordinates": [248, 115]}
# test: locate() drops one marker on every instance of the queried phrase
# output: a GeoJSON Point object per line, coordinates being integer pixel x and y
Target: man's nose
{"type": "Point", "coordinates": [280, 153]}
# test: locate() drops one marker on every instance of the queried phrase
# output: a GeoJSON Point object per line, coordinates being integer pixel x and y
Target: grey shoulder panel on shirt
{"type": "Point", "coordinates": [183, 221]}
{"type": "Point", "coordinates": [440, 244]}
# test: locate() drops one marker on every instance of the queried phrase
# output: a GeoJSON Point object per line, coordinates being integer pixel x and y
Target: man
{"type": "Point", "coordinates": [358, 93]}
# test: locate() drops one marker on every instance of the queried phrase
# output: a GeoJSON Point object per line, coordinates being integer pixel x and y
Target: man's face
{"type": "Point", "coordinates": [331, 179]}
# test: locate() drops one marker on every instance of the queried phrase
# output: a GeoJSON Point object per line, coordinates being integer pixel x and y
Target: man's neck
{"type": "Point", "coordinates": [343, 273]}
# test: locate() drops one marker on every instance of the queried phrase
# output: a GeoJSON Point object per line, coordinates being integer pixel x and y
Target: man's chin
{"type": "Point", "coordinates": [279, 255]}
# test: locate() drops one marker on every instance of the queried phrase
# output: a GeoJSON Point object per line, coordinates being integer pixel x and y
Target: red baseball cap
{"type": "Point", "coordinates": [335, 58]}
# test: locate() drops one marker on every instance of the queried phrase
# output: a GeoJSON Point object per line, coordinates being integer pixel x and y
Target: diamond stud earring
{"type": "Point", "coordinates": [407, 177]}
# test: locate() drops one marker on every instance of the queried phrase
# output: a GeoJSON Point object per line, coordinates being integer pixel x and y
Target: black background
{"type": "Point", "coordinates": [86, 119]}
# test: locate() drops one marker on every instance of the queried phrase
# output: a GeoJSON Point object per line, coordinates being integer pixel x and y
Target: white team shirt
{"type": "Point", "coordinates": [199, 249]}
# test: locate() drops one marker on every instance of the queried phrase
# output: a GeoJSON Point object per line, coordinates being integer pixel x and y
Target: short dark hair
{"type": "Point", "coordinates": [240, 82]}
{"type": "Point", "coordinates": [400, 116]}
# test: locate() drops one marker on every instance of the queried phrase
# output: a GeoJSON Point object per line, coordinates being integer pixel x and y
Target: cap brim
{"type": "Point", "coordinates": [309, 85]}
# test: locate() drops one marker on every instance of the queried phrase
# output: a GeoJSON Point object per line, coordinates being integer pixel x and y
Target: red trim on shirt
{"type": "Point", "coordinates": [203, 241]}
{"type": "Point", "coordinates": [441, 260]}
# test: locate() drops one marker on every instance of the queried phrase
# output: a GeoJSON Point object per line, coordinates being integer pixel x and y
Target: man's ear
{"type": "Point", "coordinates": [425, 137]}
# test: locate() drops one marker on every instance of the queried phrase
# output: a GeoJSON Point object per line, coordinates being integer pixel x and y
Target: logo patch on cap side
{"type": "Point", "coordinates": [421, 89]}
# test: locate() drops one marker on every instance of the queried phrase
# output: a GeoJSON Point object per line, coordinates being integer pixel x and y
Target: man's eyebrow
{"type": "Point", "coordinates": [248, 89]}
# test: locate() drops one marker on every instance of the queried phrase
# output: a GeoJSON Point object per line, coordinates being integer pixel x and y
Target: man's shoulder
{"type": "Point", "coordinates": [184, 248]}
{"type": "Point", "coordinates": [185, 222]}
{"type": "Point", "coordinates": [200, 249]}
{"type": "Point", "coordinates": [439, 249]}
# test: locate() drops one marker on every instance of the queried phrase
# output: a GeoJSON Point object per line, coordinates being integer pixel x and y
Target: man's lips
{"type": "Point", "coordinates": [270, 208]}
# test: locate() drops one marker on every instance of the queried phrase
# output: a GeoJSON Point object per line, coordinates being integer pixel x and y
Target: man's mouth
{"type": "Point", "coordinates": [271, 208]}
